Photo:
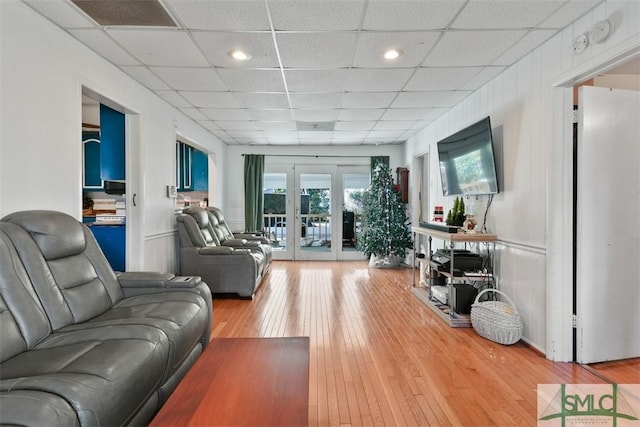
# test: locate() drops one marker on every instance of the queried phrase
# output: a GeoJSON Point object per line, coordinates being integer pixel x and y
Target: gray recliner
{"type": "Point", "coordinates": [226, 269]}
{"type": "Point", "coordinates": [81, 345]}
{"type": "Point", "coordinates": [226, 237]}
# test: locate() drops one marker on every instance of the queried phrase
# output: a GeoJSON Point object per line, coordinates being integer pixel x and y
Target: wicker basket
{"type": "Point", "coordinates": [496, 320]}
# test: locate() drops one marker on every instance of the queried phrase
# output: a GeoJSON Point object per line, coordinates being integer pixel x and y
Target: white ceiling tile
{"type": "Point", "coordinates": [102, 44]}
{"type": "Point", "coordinates": [441, 78]}
{"type": "Point", "coordinates": [145, 77]}
{"type": "Point", "coordinates": [316, 100]}
{"type": "Point", "coordinates": [208, 124]}
{"type": "Point", "coordinates": [271, 126]}
{"type": "Point", "coordinates": [316, 50]}
{"type": "Point", "coordinates": [226, 114]}
{"type": "Point", "coordinates": [253, 134]}
{"type": "Point", "coordinates": [183, 78]}
{"type": "Point", "coordinates": [65, 14]}
{"type": "Point", "coordinates": [430, 99]}
{"type": "Point", "coordinates": [173, 98]}
{"type": "Point", "coordinates": [271, 115]}
{"type": "Point", "coordinates": [231, 15]}
{"type": "Point", "coordinates": [326, 15]}
{"type": "Point", "coordinates": [376, 80]}
{"type": "Point", "coordinates": [414, 46]}
{"type": "Point", "coordinates": [504, 14]}
{"type": "Point", "coordinates": [394, 125]}
{"type": "Point", "coordinates": [406, 113]}
{"type": "Point", "coordinates": [354, 126]}
{"type": "Point", "coordinates": [160, 47]}
{"type": "Point", "coordinates": [410, 15]}
{"type": "Point", "coordinates": [368, 99]}
{"type": "Point", "coordinates": [220, 134]}
{"type": "Point", "coordinates": [246, 80]}
{"type": "Point", "coordinates": [316, 80]}
{"type": "Point", "coordinates": [386, 133]}
{"type": "Point", "coordinates": [315, 141]}
{"type": "Point", "coordinates": [569, 13]}
{"type": "Point", "coordinates": [229, 125]}
{"type": "Point", "coordinates": [482, 78]}
{"type": "Point", "coordinates": [350, 134]}
{"type": "Point", "coordinates": [216, 47]}
{"type": "Point", "coordinates": [363, 114]}
{"type": "Point", "coordinates": [316, 115]}
{"type": "Point", "coordinates": [263, 100]}
{"type": "Point", "coordinates": [315, 134]}
{"type": "Point", "coordinates": [211, 99]}
{"type": "Point", "coordinates": [469, 48]}
{"type": "Point", "coordinates": [194, 113]}
{"type": "Point", "coordinates": [525, 45]}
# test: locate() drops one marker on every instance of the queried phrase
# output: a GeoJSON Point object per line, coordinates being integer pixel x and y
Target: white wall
{"type": "Point", "coordinates": [531, 140]}
{"type": "Point", "coordinates": [42, 72]}
{"type": "Point", "coordinates": [353, 155]}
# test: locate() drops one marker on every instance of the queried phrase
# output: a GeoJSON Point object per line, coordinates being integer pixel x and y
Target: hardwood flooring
{"type": "Point", "coordinates": [379, 357]}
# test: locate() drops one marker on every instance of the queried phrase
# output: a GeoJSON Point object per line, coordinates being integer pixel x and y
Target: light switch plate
{"type": "Point", "coordinates": [172, 192]}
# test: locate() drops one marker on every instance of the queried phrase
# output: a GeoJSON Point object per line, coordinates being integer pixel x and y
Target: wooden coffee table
{"type": "Point", "coordinates": [243, 382]}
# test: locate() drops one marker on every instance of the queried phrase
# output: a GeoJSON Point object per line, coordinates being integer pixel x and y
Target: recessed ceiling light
{"type": "Point", "coordinates": [239, 55]}
{"type": "Point", "coordinates": [392, 54]}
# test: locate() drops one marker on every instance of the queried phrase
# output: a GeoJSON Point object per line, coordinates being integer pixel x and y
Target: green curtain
{"type": "Point", "coordinates": [375, 160]}
{"type": "Point", "coordinates": [253, 188]}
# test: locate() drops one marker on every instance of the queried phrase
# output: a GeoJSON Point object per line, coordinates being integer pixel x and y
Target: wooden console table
{"type": "Point", "coordinates": [422, 290]}
{"type": "Point", "coordinates": [243, 382]}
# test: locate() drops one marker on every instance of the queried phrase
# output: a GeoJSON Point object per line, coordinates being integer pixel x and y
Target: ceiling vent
{"type": "Point", "coordinates": [138, 13]}
{"type": "Point", "coordinates": [315, 126]}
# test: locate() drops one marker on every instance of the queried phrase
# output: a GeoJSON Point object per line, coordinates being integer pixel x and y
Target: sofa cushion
{"type": "Point", "coordinates": [23, 322]}
{"type": "Point", "coordinates": [36, 408]}
{"type": "Point", "coordinates": [104, 373]}
{"type": "Point", "coordinates": [72, 286]}
{"type": "Point", "coordinates": [181, 316]}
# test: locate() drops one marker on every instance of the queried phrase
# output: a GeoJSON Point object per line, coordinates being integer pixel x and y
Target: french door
{"type": "Point", "coordinates": [313, 212]}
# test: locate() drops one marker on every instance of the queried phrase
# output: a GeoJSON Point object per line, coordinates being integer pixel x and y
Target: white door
{"type": "Point", "coordinates": [608, 225]}
{"type": "Point", "coordinates": [278, 209]}
{"type": "Point", "coordinates": [353, 181]}
{"type": "Point", "coordinates": [314, 211]}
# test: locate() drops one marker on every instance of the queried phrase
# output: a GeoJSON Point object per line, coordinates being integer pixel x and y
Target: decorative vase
{"type": "Point", "coordinates": [470, 224]}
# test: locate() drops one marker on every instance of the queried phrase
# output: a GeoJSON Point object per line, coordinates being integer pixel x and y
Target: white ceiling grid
{"type": "Point", "coordinates": [321, 61]}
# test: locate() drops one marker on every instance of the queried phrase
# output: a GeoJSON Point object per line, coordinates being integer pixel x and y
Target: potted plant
{"type": "Point", "coordinates": [385, 236]}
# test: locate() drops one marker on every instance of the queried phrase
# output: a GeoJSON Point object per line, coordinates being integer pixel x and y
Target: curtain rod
{"type": "Point", "coordinates": [316, 156]}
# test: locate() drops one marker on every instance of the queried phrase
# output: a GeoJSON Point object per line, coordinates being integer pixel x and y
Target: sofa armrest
{"type": "Point", "coordinates": [143, 279]}
{"type": "Point", "coordinates": [234, 243]}
{"type": "Point", "coordinates": [252, 237]}
{"type": "Point", "coordinates": [240, 243]}
{"type": "Point", "coordinates": [215, 250]}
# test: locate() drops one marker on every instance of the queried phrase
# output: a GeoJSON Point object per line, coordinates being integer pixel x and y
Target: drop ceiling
{"type": "Point", "coordinates": [316, 73]}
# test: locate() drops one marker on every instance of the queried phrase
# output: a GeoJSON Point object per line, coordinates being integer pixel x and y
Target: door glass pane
{"type": "Point", "coordinates": [315, 212]}
{"type": "Point", "coordinates": [275, 209]}
{"type": "Point", "coordinates": [354, 185]}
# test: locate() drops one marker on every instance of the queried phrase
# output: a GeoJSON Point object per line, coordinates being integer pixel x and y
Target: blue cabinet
{"type": "Point", "coordinates": [112, 144]}
{"type": "Point", "coordinates": [112, 241]}
{"type": "Point", "coordinates": [192, 168]}
{"type": "Point", "coordinates": [91, 177]}
{"type": "Point", "coordinates": [200, 170]}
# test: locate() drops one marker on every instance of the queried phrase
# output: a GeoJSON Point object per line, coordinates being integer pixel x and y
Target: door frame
{"type": "Point", "coordinates": [559, 272]}
{"type": "Point", "coordinates": [341, 254]}
{"type": "Point", "coordinates": [298, 253]}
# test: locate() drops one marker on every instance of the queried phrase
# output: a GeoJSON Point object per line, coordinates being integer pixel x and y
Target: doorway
{"type": "Point", "coordinates": [313, 212]}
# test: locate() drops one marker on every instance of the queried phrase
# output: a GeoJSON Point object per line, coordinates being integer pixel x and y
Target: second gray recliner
{"type": "Point", "coordinates": [226, 269]}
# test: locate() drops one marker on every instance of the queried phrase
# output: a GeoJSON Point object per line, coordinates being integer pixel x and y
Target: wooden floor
{"type": "Point", "coordinates": [380, 357]}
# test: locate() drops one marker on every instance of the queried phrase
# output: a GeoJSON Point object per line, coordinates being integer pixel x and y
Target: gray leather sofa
{"type": "Point", "coordinates": [80, 345]}
{"type": "Point", "coordinates": [236, 268]}
{"type": "Point", "coordinates": [227, 237]}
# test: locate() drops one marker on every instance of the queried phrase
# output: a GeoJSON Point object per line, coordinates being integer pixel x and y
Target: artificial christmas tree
{"type": "Point", "coordinates": [385, 237]}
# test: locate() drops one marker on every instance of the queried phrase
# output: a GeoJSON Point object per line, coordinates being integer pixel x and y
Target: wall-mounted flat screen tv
{"type": "Point", "coordinates": [467, 161]}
